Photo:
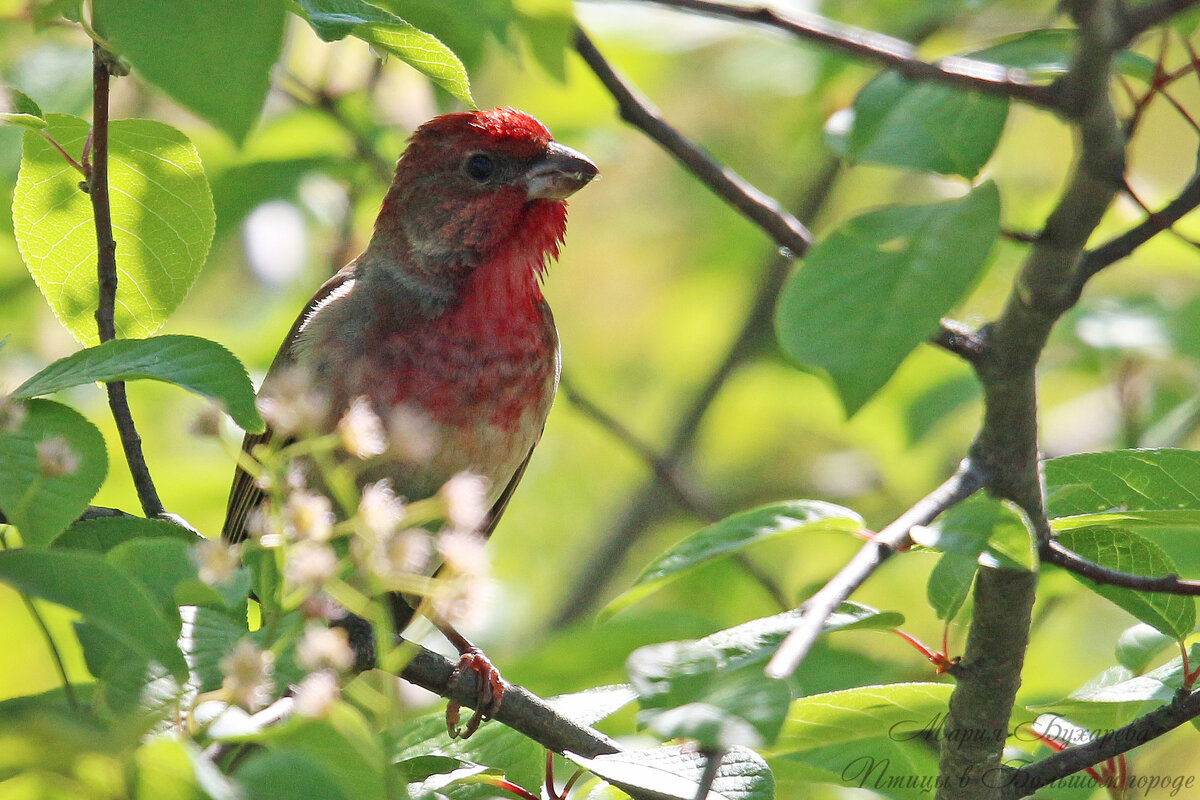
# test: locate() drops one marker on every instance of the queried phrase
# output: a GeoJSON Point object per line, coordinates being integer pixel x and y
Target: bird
{"type": "Point", "coordinates": [442, 314]}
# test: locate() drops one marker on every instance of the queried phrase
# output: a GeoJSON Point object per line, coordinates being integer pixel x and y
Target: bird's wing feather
{"type": "Point", "coordinates": [244, 494]}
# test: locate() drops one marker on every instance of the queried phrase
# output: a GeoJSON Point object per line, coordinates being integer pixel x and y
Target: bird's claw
{"type": "Point", "coordinates": [490, 692]}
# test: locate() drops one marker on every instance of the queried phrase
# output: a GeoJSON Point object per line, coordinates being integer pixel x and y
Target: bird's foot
{"type": "Point", "coordinates": [490, 692]}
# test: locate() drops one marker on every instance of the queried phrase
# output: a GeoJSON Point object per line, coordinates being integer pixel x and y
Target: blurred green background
{"type": "Point", "coordinates": [654, 284]}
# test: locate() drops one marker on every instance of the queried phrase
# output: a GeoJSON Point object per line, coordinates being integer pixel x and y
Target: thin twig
{"type": "Point", "coordinates": [1122, 246]}
{"type": "Point", "coordinates": [106, 267]}
{"type": "Point", "coordinates": [1053, 552]}
{"type": "Point", "coordinates": [896, 54]}
{"type": "Point", "coordinates": [962, 484]}
{"type": "Point", "coordinates": [1027, 780]}
{"type": "Point", "coordinates": [764, 211]}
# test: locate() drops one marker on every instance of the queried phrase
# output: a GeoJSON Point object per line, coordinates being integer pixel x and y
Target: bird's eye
{"type": "Point", "coordinates": [480, 167]}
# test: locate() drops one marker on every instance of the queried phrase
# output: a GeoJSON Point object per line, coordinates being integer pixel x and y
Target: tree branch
{"type": "Point", "coordinates": [957, 338]}
{"type": "Point", "coordinates": [1053, 552]}
{"type": "Point", "coordinates": [1123, 246]}
{"type": "Point", "coordinates": [106, 267]}
{"type": "Point", "coordinates": [520, 710]}
{"type": "Point", "coordinates": [1139, 19]}
{"type": "Point", "coordinates": [763, 211]}
{"type": "Point", "coordinates": [895, 54]}
{"type": "Point", "coordinates": [1026, 780]}
{"type": "Point", "coordinates": [961, 485]}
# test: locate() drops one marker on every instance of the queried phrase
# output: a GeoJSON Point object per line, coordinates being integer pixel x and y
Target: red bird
{"type": "Point", "coordinates": [443, 314]}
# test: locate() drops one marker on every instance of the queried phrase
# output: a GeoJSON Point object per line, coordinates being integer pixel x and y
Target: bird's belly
{"type": "Point", "coordinates": [482, 410]}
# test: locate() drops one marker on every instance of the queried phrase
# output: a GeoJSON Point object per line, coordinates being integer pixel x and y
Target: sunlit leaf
{"type": "Point", "coordinates": [674, 772]}
{"type": "Point", "coordinates": [337, 19]}
{"type": "Point", "coordinates": [876, 287]}
{"type": "Point", "coordinates": [42, 493]}
{"type": "Point", "coordinates": [733, 534]}
{"type": "Point", "coordinates": [104, 533]}
{"type": "Point", "coordinates": [196, 364]}
{"type": "Point", "coordinates": [162, 222]}
{"type": "Point", "coordinates": [212, 56]}
{"type": "Point", "coordinates": [899, 711]}
{"type": "Point", "coordinates": [1140, 484]}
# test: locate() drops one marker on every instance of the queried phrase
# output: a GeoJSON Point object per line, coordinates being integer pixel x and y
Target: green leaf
{"type": "Point", "coordinates": [18, 108]}
{"type": "Point", "coordinates": [162, 221]}
{"type": "Point", "coordinates": [210, 637]}
{"type": "Point", "coordinates": [1141, 485]}
{"type": "Point", "coordinates": [103, 594]}
{"type": "Point", "coordinates": [104, 533]}
{"type": "Point", "coordinates": [212, 56]}
{"type": "Point", "coordinates": [286, 775]}
{"type": "Point", "coordinates": [901, 712]}
{"type": "Point", "coordinates": [1139, 644]}
{"type": "Point", "coordinates": [341, 743]}
{"type": "Point", "coordinates": [337, 19]}
{"type": "Point", "coordinates": [983, 524]}
{"type": "Point", "coordinates": [708, 677]}
{"type": "Point", "coordinates": [756, 641]}
{"type": "Point", "coordinates": [746, 709]}
{"type": "Point", "coordinates": [1046, 54]}
{"type": "Point", "coordinates": [674, 772]}
{"type": "Point", "coordinates": [877, 286]}
{"type": "Point", "coordinates": [548, 26]}
{"type": "Point", "coordinates": [1127, 551]}
{"type": "Point", "coordinates": [937, 403]}
{"type": "Point", "coordinates": [1117, 696]}
{"type": "Point", "coordinates": [923, 125]}
{"type": "Point", "coordinates": [42, 505]}
{"type": "Point", "coordinates": [48, 12]}
{"type": "Point", "coordinates": [733, 534]}
{"type": "Point", "coordinates": [950, 583]}
{"type": "Point", "coordinates": [169, 768]}
{"type": "Point", "coordinates": [198, 365]}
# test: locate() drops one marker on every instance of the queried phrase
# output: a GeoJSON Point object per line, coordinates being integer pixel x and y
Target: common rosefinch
{"type": "Point", "coordinates": [442, 315]}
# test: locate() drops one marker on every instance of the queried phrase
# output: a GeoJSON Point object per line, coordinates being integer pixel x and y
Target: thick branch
{"type": "Point", "coordinates": [106, 267]}
{"type": "Point", "coordinates": [988, 679]}
{"type": "Point", "coordinates": [896, 54]}
{"type": "Point", "coordinates": [763, 211]}
{"type": "Point", "coordinates": [964, 483]}
{"type": "Point", "coordinates": [1025, 781]}
{"type": "Point", "coordinates": [1006, 446]}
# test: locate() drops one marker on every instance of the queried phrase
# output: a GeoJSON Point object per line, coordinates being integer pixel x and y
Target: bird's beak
{"type": "Point", "coordinates": [559, 174]}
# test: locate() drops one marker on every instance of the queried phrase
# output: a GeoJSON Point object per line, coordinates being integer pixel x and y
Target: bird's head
{"type": "Point", "coordinates": [471, 184]}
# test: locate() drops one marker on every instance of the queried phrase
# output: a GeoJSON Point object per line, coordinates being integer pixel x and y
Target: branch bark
{"type": "Point", "coordinates": [888, 51]}
{"type": "Point", "coordinates": [1027, 780]}
{"type": "Point", "coordinates": [106, 267]}
{"type": "Point", "coordinates": [762, 210]}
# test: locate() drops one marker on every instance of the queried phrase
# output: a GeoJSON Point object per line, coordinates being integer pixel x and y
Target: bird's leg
{"type": "Point", "coordinates": [491, 685]}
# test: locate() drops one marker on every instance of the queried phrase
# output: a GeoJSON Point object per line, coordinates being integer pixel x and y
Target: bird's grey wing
{"type": "Point", "coordinates": [244, 494]}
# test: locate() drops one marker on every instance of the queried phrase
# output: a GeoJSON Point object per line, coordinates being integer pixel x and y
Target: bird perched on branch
{"type": "Point", "coordinates": [442, 317]}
